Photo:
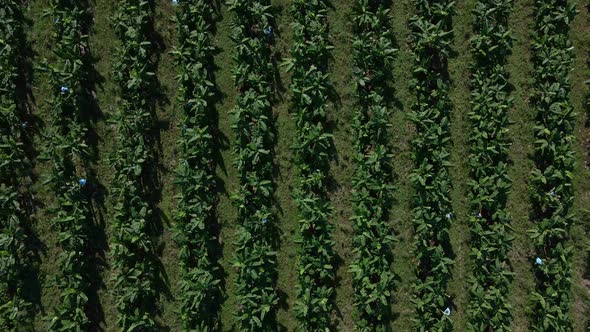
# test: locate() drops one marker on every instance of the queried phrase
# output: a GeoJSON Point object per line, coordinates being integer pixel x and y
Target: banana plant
{"type": "Point", "coordinates": [372, 189]}
{"type": "Point", "coordinates": [134, 262]}
{"type": "Point", "coordinates": [551, 181]}
{"type": "Point", "coordinates": [310, 88]}
{"type": "Point", "coordinates": [67, 151]}
{"type": "Point", "coordinates": [200, 290]}
{"type": "Point", "coordinates": [431, 38]}
{"type": "Point", "coordinates": [255, 259]}
{"type": "Point", "coordinates": [488, 163]}
{"type": "Point", "coordinates": [15, 308]}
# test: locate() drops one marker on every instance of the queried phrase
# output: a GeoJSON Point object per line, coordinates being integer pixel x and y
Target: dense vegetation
{"type": "Point", "coordinates": [15, 309]}
{"type": "Point", "coordinates": [372, 194]}
{"type": "Point", "coordinates": [551, 181]}
{"type": "Point", "coordinates": [136, 269]}
{"type": "Point", "coordinates": [431, 41]}
{"type": "Point", "coordinates": [160, 171]}
{"type": "Point", "coordinates": [255, 255]}
{"type": "Point", "coordinates": [69, 156]}
{"type": "Point", "coordinates": [200, 285]}
{"type": "Point", "coordinates": [310, 88]}
{"type": "Point", "coordinates": [488, 163]}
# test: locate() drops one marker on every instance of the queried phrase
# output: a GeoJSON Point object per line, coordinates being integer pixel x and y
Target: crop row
{"type": "Point", "coordinates": [255, 258]}
{"type": "Point", "coordinates": [135, 268]}
{"type": "Point", "coordinates": [587, 152]}
{"type": "Point", "coordinates": [14, 166]}
{"type": "Point", "coordinates": [587, 109]}
{"type": "Point", "coordinates": [551, 180]}
{"type": "Point", "coordinates": [373, 55]}
{"type": "Point", "coordinates": [488, 165]}
{"type": "Point", "coordinates": [68, 153]}
{"type": "Point", "coordinates": [310, 88]}
{"type": "Point", "coordinates": [199, 286]}
{"type": "Point", "coordinates": [431, 37]}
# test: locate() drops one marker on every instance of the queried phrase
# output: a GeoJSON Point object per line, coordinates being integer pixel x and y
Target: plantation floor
{"type": "Point", "coordinates": [103, 44]}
